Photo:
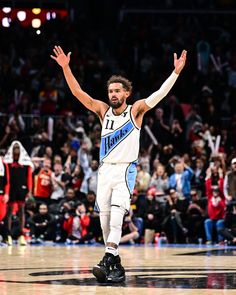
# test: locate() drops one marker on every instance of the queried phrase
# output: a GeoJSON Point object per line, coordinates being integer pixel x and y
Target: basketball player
{"type": "Point", "coordinates": [119, 150]}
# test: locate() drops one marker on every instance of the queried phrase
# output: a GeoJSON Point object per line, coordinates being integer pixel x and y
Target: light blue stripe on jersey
{"type": "Point", "coordinates": [110, 141]}
{"type": "Point", "coordinates": [130, 176]}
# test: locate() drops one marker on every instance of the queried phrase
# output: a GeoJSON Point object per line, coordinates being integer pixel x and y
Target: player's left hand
{"type": "Point", "coordinates": [179, 63]}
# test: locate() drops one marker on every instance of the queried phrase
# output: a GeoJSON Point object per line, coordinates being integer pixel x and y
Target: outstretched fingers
{"type": "Point", "coordinates": [183, 54]}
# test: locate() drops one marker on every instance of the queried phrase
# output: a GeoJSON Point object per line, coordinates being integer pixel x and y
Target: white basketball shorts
{"type": "Point", "coordinates": [115, 185]}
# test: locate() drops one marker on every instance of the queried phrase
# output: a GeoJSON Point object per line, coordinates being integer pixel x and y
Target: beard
{"type": "Point", "coordinates": [115, 105]}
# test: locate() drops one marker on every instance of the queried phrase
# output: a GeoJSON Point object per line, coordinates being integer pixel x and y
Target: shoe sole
{"type": "Point", "coordinates": [99, 274]}
{"type": "Point", "coordinates": [117, 280]}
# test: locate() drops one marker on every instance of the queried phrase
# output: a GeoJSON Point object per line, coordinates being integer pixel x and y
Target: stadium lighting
{"type": "Point", "coordinates": [38, 32]}
{"type": "Point", "coordinates": [6, 22]}
{"type": "Point", "coordinates": [36, 23]}
{"type": "Point", "coordinates": [6, 9]}
{"type": "Point", "coordinates": [36, 10]}
{"type": "Point", "coordinates": [48, 16]}
{"type": "Point", "coordinates": [54, 15]}
{"type": "Point", "coordinates": [21, 15]}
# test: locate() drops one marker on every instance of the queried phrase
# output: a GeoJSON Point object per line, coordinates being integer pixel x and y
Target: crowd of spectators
{"type": "Point", "coordinates": [186, 184]}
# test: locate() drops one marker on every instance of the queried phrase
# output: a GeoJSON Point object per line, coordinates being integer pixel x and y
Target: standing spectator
{"type": "Point", "coordinates": [93, 176]}
{"type": "Point", "coordinates": [142, 180]}
{"type": "Point", "coordinates": [58, 179]}
{"type": "Point", "coordinates": [181, 179]}
{"type": "Point", "coordinates": [216, 211]}
{"type": "Point", "coordinates": [230, 183]}
{"type": "Point", "coordinates": [20, 171]}
{"type": "Point", "coordinates": [43, 182]}
{"type": "Point", "coordinates": [160, 182]}
{"type": "Point", "coordinates": [160, 128]}
{"type": "Point", "coordinates": [198, 181]}
{"type": "Point", "coordinates": [4, 197]}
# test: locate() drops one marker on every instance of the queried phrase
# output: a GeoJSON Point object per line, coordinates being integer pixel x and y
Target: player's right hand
{"type": "Point", "coordinates": [60, 57]}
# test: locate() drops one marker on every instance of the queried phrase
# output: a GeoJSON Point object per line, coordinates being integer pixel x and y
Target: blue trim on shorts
{"type": "Point", "coordinates": [130, 176]}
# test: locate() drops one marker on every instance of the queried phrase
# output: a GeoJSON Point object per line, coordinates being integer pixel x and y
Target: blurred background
{"type": "Point", "coordinates": [195, 123]}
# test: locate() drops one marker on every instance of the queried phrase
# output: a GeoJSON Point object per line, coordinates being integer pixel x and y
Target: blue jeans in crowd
{"type": "Point", "coordinates": [210, 225]}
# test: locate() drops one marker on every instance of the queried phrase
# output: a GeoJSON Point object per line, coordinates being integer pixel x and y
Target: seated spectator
{"type": "Point", "coordinates": [229, 232]}
{"type": "Point", "coordinates": [152, 215]}
{"type": "Point", "coordinates": [94, 226]}
{"type": "Point", "coordinates": [130, 232]}
{"type": "Point", "coordinates": [196, 214]}
{"type": "Point", "coordinates": [216, 212]}
{"type": "Point", "coordinates": [42, 225]}
{"type": "Point", "coordinates": [76, 225]}
{"type": "Point", "coordinates": [175, 217]}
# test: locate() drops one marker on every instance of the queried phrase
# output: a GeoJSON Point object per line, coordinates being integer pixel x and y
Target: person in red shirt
{"type": "Point", "coordinates": [20, 172]}
{"type": "Point", "coordinates": [216, 207]}
{"type": "Point", "coordinates": [43, 183]}
{"type": "Point", "coordinates": [4, 197]}
{"type": "Point", "coordinates": [76, 225]}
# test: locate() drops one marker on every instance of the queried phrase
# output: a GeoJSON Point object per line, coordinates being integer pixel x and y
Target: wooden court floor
{"type": "Point", "coordinates": [66, 270]}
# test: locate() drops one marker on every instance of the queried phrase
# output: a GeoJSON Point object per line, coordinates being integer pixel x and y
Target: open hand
{"type": "Point", "coordinates": [60, 57]}
{"type": "Point", "coordinates": [180, 63]}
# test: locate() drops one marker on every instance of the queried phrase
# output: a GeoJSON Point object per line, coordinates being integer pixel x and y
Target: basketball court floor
{"type": "Point", "coordinates": [66, 270]}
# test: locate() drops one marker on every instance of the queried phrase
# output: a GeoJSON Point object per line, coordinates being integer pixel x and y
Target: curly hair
{"type": "Point", "coordinates": [119, 79]}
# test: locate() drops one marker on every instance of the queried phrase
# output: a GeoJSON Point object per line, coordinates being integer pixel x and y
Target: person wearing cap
{"type": "Point", "coordinates": [230, 183]}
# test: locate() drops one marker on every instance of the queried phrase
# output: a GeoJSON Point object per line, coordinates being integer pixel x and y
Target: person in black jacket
{"type": "Point", "coordinates": [152, 214]}
{"type": "Point", "coordinates": [42, 225]}
{"type": "Point", "coordinates": [229, 232]}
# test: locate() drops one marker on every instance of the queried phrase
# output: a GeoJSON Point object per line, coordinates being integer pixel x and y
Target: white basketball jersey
{"type": "Point", "coordinates": [120, 138]}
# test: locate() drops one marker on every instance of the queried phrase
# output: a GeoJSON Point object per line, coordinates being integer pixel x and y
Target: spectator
{"type": "Point", "coordinates": [152, 215]}
{"type": "Point", "coordinates": [175, 217]}
{"type": "Point", "coordinates": [4, 198]}
{"type": "Point", "coordinates": [160, 182]}
{"type": "Point", "coordinates": [58, 183]}
{"type": "Point", "coordinates": [230, 183]}
{"type": "Point", "coordinates": [229, 231]}
{"type": "Point", "coordinates": [20, 171]}
{"type": "Point", "coordinates": [196, 214]}
{"type": "Point", "coordinates": [181, 179]}
{"type": "Point", "coordinates": [76, 225]}
{"type": "Point", "coordinates": [43, 182]}
{"type": "Point", "coordinates": [42, 226]}
{"type": "Point", "coordinates": [216, 212]}
{"type": "Point", "coordinates": [130, 232]}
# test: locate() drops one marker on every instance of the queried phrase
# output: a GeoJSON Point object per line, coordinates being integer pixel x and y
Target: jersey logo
{"type": "Point", "coordinates": [109, 142]}
{"type": "Point", "coordinates": [124, 114]}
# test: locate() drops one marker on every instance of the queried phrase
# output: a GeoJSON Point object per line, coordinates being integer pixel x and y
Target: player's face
{"type": "Point", "coordinates": [117, 95]}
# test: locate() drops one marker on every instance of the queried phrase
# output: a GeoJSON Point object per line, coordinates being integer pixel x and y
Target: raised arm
{"type": "Point", "coordinates": [94, 105]}
{"type": "Point", "coordinates": [140, 107]}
